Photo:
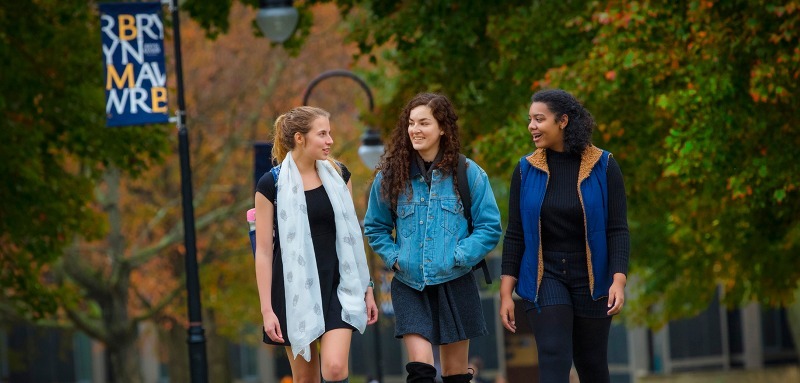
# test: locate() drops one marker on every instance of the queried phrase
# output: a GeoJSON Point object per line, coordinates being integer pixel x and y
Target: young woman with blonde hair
{"type": "Point", "coordinates": [313, 268]}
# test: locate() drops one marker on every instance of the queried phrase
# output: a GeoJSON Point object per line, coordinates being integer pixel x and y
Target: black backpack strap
{"type": "Point", "coordinates": [463, 190]}
{"type": "Point", "coordinates": [466, 201]}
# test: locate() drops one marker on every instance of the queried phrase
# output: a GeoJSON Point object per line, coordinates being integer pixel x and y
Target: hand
{"type": "Point", "coordinates": [272, 327]}
{"type": "Point", "coordinates": [616, 294]}
{"type": "Point", "coordinates": [507, 313]}
{"type": "Point", "coordinates": [372, 308]}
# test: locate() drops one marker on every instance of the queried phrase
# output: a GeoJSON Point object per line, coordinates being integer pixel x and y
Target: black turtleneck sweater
{"type": "Point", "coordinates": [562, 225]}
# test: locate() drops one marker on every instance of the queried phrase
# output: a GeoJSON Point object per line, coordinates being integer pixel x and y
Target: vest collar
{"type": "Point", "coordinates": [538, 160]}
{"type": "Point", "coordinates": [589, 158]}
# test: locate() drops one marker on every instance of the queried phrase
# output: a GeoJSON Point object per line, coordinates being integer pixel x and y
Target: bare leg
{"type": "Point", "coordinates": [455, 358]}
{"type": "Point", "coordinates": [302, 371]}
{"type": "Point", "coordinates": [419, 349]}
{"type": "Point", "coordinates": [420, 355]}
{"type": "Point", "coordinates": [334, 354]}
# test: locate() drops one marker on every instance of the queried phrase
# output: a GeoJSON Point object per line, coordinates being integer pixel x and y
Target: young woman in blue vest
{"type": "Point", "coordinates": [566, 247]}
{"type": "Point", "coordinates": [415, 222]}
{"type": "Point", "coordinates": [312, 276]}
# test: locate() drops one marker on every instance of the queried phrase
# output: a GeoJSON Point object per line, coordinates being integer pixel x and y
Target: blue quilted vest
{"type": "Point", "coordinates": [593, 193]}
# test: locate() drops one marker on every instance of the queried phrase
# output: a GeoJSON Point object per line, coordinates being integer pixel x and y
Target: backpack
{"type": "Point", "coordinates": [466, 200]}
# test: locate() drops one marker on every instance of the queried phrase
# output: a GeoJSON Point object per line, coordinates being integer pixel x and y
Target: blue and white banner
{"type": "Point", "coordinates": [135, 74]}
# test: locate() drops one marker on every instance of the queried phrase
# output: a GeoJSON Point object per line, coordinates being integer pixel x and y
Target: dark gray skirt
{"type": "Point", "coordinates": [446, 313]}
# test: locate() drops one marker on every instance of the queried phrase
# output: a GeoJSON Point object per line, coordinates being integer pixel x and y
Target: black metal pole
{"type": "Point", "coordinates": [198, 364]}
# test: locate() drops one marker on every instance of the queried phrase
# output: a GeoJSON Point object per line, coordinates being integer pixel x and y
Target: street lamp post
{"type": "Point", "coordinates": [371, 148]}
{"type": "Point", "coordinates": [370, 152]}
{"type": "Point", "coordinates": [198, 365]}
{"type": "Point", "coordinates": [279, 31]}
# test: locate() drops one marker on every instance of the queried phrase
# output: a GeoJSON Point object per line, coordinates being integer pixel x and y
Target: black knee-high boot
{"type": "Point", "coordinates": [419, 372]}
{"type": "Point", "coordinates": [461, 378]}
{"type": "Point", "coordinates": [345, 380]}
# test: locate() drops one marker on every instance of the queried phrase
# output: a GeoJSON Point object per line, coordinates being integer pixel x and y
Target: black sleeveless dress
{"type": "Point", "coordinates": [323, 236]}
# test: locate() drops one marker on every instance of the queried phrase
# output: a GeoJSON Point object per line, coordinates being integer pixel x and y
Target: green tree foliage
{"type": "Point", "coordinates": [53, 143]}
{"type": "Point", "coordinates": [697, 99]}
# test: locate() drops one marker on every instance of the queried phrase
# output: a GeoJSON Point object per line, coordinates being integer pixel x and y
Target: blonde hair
{"type": "Point", "coordinates": [297, 120]}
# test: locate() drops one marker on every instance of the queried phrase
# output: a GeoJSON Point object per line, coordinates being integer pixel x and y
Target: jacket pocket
{"type": "Point", "coordinates": [406, 220]}
{"type": "Point", "coordinates": [452, 215]}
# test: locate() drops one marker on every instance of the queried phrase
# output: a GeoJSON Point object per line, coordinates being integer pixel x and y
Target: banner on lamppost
{"type": "Point", "coordinates": [135, 73]}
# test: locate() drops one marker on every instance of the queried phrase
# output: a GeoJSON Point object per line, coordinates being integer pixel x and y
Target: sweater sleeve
{"type": "Point", "coordinates": [617, 233]}
{"type": "Point", "coordinates": [513, 243]}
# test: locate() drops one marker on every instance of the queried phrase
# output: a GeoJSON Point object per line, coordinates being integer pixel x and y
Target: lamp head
{"type": "Point", "coordinates": [371, 148]}
{"type": "Point", "coordinates": [277, 19]}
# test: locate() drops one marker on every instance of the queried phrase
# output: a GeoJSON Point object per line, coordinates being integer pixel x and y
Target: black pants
{"type": "Point", "coordinates": [562, 338]}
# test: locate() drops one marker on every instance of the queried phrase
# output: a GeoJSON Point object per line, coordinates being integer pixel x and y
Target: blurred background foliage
{"type": "Point", "coordinates": [696, 99]}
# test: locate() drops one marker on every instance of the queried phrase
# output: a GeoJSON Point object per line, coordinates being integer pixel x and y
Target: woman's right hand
{"type": "Point", "coordinates": [507, 313]}
{"type": "Point", "coordinates": [273, 327]}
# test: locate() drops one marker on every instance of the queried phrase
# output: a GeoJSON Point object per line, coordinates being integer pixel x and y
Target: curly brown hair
{"type": "Point", "coordinates": [396, 162]}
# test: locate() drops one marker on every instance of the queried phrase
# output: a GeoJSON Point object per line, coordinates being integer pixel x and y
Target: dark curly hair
{"type": "Point", "coordinates": [578, 132]}
{"type": "Point", "coordinates": [397, 160]}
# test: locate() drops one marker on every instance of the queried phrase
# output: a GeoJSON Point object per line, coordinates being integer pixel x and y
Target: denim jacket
{"type": "Point", "coordinates": [431, 243]}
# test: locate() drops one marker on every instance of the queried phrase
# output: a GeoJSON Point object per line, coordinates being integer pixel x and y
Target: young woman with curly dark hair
{"type": "Point", "coordinates": [415, 222]}
{"type": "Point", "coordinates": [566, 247]}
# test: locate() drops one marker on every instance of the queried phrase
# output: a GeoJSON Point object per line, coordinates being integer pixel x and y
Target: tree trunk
{"type": "Point", "coordinates": [122, 345]}
{"type": "Point", "coordinates": [124, 360]}
{"type": "Point", "coordinates": [123, 350]}
{"type": "Point", "coordinates": [174, 339]}
{"type": "Point", "coordinates": [219, 367]}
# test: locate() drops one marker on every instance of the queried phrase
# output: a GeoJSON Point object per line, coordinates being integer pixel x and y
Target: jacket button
{"type": "Point", "coordinates": [420, 222]}
{"type": "Point", "coordinates": [422, 199]}
{"type": "Point", "coordinates": [563, 260]}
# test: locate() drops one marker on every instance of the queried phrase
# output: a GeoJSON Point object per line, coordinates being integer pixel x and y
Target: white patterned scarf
{"type": "Point", "coordinates": [304, 311]}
